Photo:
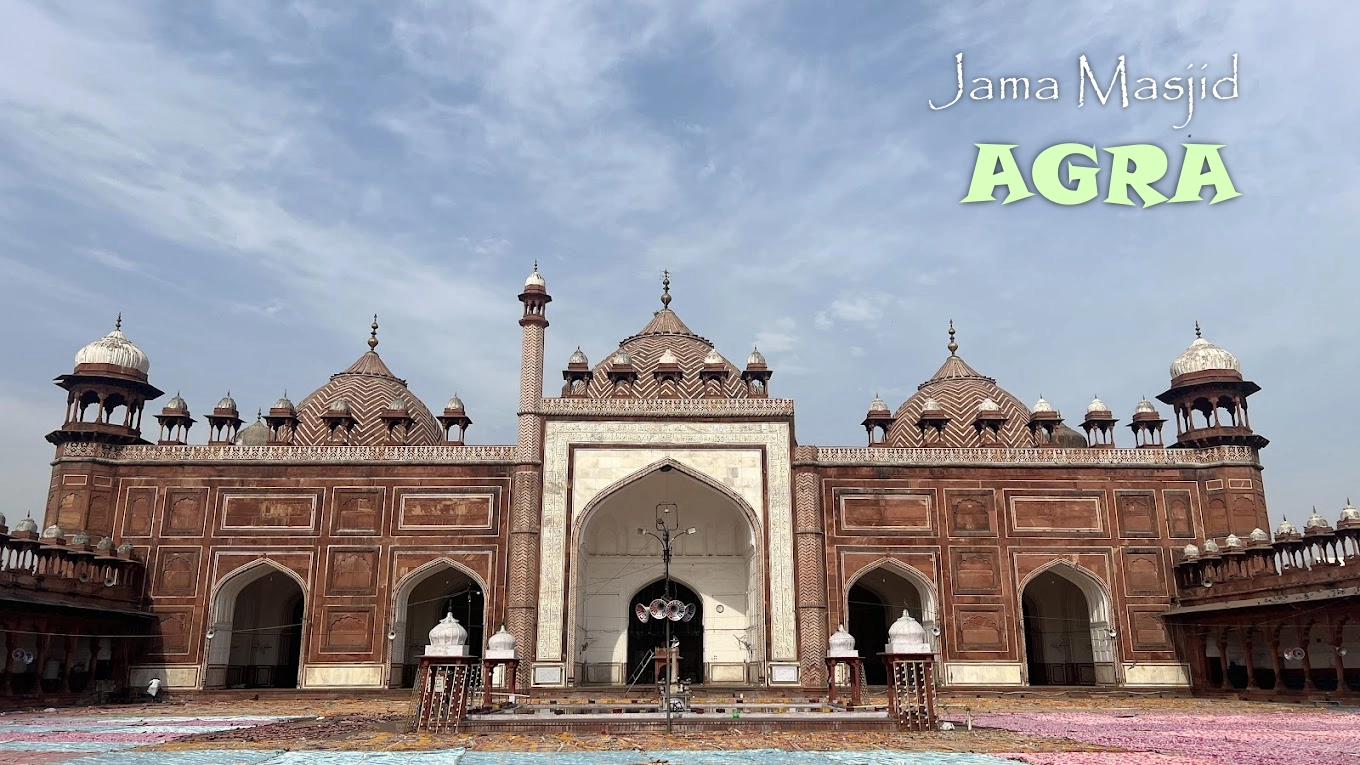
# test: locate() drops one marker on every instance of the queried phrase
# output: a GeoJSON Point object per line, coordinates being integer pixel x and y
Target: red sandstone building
{"type": "Point", "coordinates": [317, 547]}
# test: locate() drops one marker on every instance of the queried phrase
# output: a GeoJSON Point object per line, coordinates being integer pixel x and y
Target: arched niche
{"type": "Point", "coordinates": [721, 563]}
{"type": "Point", "coordinates": [258, 628]}
{"type": "Point", "coordinates": [1068, 636]}
{"type": "Point", "coordinates": [420, 600]}
{"type": "Point", "coordinates": [875, 598]}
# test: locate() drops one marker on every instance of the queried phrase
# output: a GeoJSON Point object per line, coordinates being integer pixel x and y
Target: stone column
{"type": "Point", "coordinates": [526, 490]}
{"type": "Point", "coordinates": [811, 588]}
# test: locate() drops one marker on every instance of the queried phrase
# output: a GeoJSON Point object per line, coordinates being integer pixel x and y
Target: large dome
{"type": "Point", "coordinates": [114, 349]}
{"type": "Point", "coordinates": [1203, 356]}
{"type": "Point", "coordinates": [959, 390]}
{"type": "Point", "coordinates": [368, 387]}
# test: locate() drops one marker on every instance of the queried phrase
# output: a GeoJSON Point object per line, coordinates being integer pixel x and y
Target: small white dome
{"type": "Point", "coordinates": [1349, 513]}
{"type": "Point", "coordinates": [667, 357]}
{"type": "Point", "coordinates": [622, 359]}
{"type": "Point", "coordinates": [501, 641]}
{"type": "Point", "coordinates": [1097, 407]}
{"type": "Point", "coordinates": [1316, 521]}
{"type": "Point", "coordinates": [125, 548]}
{"type": "Point", "coordinates": [398, 403]}
{"type": "Point", "coordinates": [1043, 406]}
{"type": "Point", "coordinates": [756, 358]}
{"type": "Point", "coordinates": [1284, 528]}
{"type": "Point", "coordinates": [177, 404]}
{"type": "Point", "coordinates": [1233, 542]}
{"type": "Point", "coordinates": [454, 404]}
{"type": "Point", "coordinates": [931, 405]}
{"type": "Point", "coordinates": [226, 402]}
{"type": "Point", "coordinates": [1202, 356]}
{"type": "Point", "coordinates": [535, 279]}
{"type": "Point", "coordinates": [1258, 535]}
{"type": "Point", "coordinates": [340, 406]}
{"type": "Point", "coordinates": [284, 403]}
{"type": "Point", "coordinates": [1210, 547]}
{"type": "Point", "coordinates": [841, 642]}
{"type": "Point", "coordinates": [578, 357]}
{"type": "Point", "coordinates": [27, 524]}
{"type": "Point", "coordinates": [1145, 407]}
{"type": "Point", "coordinates": [1191, 551]}
{"type": "Point", "coordinates": [254, 434]}
{"type": "Point", "coordinates": [105, 544]}
{"type": "Point", "coordinates": [878, 405]}
{"type": "Point", "coordinates": [52, 532]}
{"type": "Point", "coordinates": [447, 637]}
{"type": "Point", "coordinates": [713, 357]}
{"type": "Point", "coordinates": [988, 405]}
{"type": "Point", "coordinates": [906, 635]}
{"type": "Point", "coordinates": [114, 349]}
{"type": "Point", "coordinates": [81, 538]}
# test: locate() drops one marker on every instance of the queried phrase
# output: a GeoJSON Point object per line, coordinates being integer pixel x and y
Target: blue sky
{"type": "Point", "coordinates": [248, 182]}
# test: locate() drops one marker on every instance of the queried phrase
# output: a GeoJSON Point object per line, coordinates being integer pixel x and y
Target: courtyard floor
{"type": "Point", "coordinates": [1112, 731]}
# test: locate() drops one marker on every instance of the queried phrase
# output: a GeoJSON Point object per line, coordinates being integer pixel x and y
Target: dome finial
{"type": "Point", "coordinates": [953, 346]}
{"type": "Point", "coordinates": [118, 323]}
{"type": "Point", "coordinates": [665, 289]}
{"type": "Point", "coordinates": [1197, 332]}
{"type": "Point", "coordinates": [373, 334]}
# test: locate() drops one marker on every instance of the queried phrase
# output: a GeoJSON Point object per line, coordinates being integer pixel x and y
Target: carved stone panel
{"type": "Point", "coordinates": [137, 513]}
{"type": "Point", "coordinates": [891, 512]}
{"type": "Point", "coordinates": [1179, 517]}
{"type": "Point", "coordinates": [259, 511]}
{"type": "Point", "coordinates": [1244, 517]}
{"type": "Point", "coordinates": [184, 512]}
{"type": "Point", "coordinates": [357, 511]}
{"type": "Point", "coordinates": [975, 570]}
{"type": "Point", "coordinates": [1144, 573]}
{"type": "Point", "coordinates": [176, 571]}
{"type": "Point", "coordinates": [971, 513]}
{"type": "Point", "coordinates": [445, 510]}
{"type": "Point", "coordinates": [172, 638]}
{"type": "Point", "coordinates": [1136, 513]}
{"type": "Point", "coordinates": [1216, 517]}
{"type": "Point", "coordinates": [1148, 630]}
{"type": "Point", "coordinates": [100, 511]}
{"type": "Point", "coordinates": [71, 511]}
{"type": "Point", "coordinates": [352, 571]}
{"type": "Point", "coordinates": [980, 628]}
{"type": "Point", "coordinates": [1057, 513]}
{"type": "Point", "coordinates": [347, 630]}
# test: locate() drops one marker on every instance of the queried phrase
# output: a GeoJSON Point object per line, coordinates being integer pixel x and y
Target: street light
{"type": "Point", "coordinates": [667, 524]}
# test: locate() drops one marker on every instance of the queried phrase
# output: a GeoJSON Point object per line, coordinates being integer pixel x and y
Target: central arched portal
{"type": "Point", "coordinates": [719, 565]}
{"type": "Point", "coordinates": [875, 600]}
{"type": "Point", "coordinates": [1068, 640]}
{"type": "Point", "coordinates": [256, 635]}
{"type": "Point", "coordinates": [645, 637]}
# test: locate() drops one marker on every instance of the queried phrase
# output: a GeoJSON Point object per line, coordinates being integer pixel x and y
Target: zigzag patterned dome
{"type": "Point", "coordinates": [957, 389]}
{"type": "Point", "coordinates": [665, 340]}
{"type": "Point", "coordinates": [369, 387]}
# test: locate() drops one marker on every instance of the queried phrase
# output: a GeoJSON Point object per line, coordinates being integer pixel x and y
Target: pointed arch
{"type": "Point", "coordinates": [926, 587]}
{"type": "Point", "coordinates": [399, 607]}
{"type": "Point", "coordinates": [603, 496]}
{"type": "Point", "coordinates": [868, 609]}
{"type": "Point", "coordinates": [222, 611]}
{"type": "Point", "coordinates": [1099, 614]}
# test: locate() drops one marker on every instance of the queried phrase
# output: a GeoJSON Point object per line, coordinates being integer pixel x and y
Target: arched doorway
{"type": "Point", "coordinates": [423, 599]}
{"type": "Point", "coordinates": [719, 563]}
{"type": "Point", "coordinates": [645, 637]}
{"type": "Point", "coordinates": [874, 601]}
{"type": "Point", "coordinates": [256, 637]}
{"type": "Point", "coordinates": [1066, 629]}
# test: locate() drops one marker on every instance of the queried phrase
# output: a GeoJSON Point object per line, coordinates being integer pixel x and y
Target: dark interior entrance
{"type": "Point", "coordinates": [868, 619]}
{"type": "Point", "coordinates": [644, 637]}
{"type": "Point", "coordinates": [266, 634]}
{"type": "Point", "coordinates": [447, 592]}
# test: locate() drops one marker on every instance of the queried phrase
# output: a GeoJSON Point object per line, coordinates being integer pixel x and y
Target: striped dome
{"type": "Point", "coordinates": [368, 387]}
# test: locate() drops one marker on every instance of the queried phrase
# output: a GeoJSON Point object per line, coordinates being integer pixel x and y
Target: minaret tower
{"type": "Point", "coordinates": [527, 503]}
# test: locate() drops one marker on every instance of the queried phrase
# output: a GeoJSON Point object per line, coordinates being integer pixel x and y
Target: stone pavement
{"type": "Point", "coordinates": [1147, 736]}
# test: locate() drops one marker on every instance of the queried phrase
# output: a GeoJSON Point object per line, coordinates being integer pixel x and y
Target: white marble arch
{"type": "Point", "coordinates": [701, 562]}
{"type": "Point", "coordinates": [1103, 644]}
{"type": "Point", "coordinates": [401, 596]}
{"type": "Point", "coordinates": [222, 611]}
{"type": "Point", "coordinates": [925, 588]}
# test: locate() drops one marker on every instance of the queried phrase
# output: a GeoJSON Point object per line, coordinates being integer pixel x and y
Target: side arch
{"type": "Point", "coordinates": [924, 586]}
{"type": "Point", "coordinates": [222, 607]}
{"type": "Point", "coordinates": [400, 604]}
{"type": "Point", "coordinates": [1104, 643]}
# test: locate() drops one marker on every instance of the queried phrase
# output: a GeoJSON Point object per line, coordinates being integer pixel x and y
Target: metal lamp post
{"type": "Point", "coordinates": [665, 534]}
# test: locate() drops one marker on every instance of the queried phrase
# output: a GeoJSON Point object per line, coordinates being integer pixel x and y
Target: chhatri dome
{"type": "Point", "coordinates": [666, 339]}
{"type": "Point", "coordinates": [1203, 356]}
{"type": "Point", "coordinates": [115, 350]}
{"type": "Point", "coordinates": [957, 390]}
{"type": "Point", "coordinates": [365, 390]}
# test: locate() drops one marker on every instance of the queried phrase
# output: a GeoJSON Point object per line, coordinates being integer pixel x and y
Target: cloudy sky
{"type": "Point", "coordinates": [249, 181]}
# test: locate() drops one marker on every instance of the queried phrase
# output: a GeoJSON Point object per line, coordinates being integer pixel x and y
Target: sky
{"type": "Point", "coordinates": [249, 181]}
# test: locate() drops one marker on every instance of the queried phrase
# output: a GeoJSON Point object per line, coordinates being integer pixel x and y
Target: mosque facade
{"type": "Point", "coordinates": [317, 546]}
